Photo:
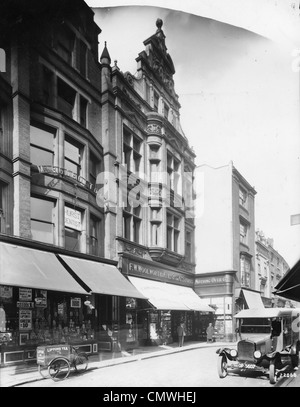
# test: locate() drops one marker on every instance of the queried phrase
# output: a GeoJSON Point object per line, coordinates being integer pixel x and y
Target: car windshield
{"type": "Point", "coordinates": [255, 325]}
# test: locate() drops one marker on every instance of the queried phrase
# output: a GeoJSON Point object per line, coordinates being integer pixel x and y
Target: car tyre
{"type": "Point", "coordinates": [222, 366]}
{"type": "Point", "coordinates": [272, 372]}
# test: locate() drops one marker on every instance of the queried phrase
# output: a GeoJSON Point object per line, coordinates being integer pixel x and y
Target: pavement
{"type": "Point", "coordinates": [13, 376]}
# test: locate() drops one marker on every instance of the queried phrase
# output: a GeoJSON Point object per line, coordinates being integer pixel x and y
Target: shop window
{"type": "Point", "coordinates": [42, 220]}
{"type": "Point", "coordinates": [73, 228]}
{"type": "Point", "coordinates": [245, 271]}
{"type": "Point", "coordinates": [173, 232]}
{"type": "Point", "coordinates": [65, 44]}
{"type": "Point", "coordinates": [94, 236]}
{"type": "Point", "coordinates": [73, 155]}
{"type": "Point", "coordinates": [41, 145]}
{"type": "Point", "coordinates": [66, 98]}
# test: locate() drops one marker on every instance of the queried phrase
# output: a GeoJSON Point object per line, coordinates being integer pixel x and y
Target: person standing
{"type": "Point", "coordinates": [209, 332]}
{"type": "Point", "coordinates": [180, 332]}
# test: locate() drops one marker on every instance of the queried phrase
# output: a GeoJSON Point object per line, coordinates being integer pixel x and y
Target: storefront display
{"type": "Point", "coordinates": [31, 317]}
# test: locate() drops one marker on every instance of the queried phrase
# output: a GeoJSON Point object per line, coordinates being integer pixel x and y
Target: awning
{"type": "Point", "coordinates": [25, 267]}
{"type": "Point", "coordinates": [289, 285]}
{"type": "Point", "coordinates": [102, 278]}
{"type": "Point", "coordinates": [253, 299]}
{"type": "Point", "coordinates": [164, 296]}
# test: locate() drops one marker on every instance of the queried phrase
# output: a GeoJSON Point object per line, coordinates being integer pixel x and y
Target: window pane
{"type": "Point", "coordinates": [40, 157]}
{"type": "Point", "coordinates": [41, 138]}
{"type": "Point", "coordinates": [72, 167]}
{"type": "Point", "coordinates": [42, 232]}
{"type": "Point", "coordinates": [41, 209]}
{"type": "Point", "coordinates": [72, 238]}
{"type": "Point", "coordinates": [169, 238]}
{"type": "Point", "coordinates": [72, 152]}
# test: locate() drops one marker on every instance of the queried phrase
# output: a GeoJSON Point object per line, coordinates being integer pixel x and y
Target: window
{"type": "Point", "coordinates": [155, 227]}
{"type": "Point", "coordinates": [83, 111]}
{"type": "Point", "coordinates": [47, 86]}
{"type": "Point", "coordinates": [147, 93]}
{"type": "Point", "coordinates": [42, 220]}
{"type": "Point", "coordinates": [65, 98]}
{"type": "Point", "coordinates": [94, 164]}
{"type": "Point", "coordinates": [166, 111]}
{"type": "Point", "coordinates": [242, 197]}
{"type": "Point", "coordinates": [173, 173]}
{"type": "Point", "coordinates": [132, 223]}
{"type": "Point", "coordinates": [73, 227]}
{"type": "Point", "coordinates": [155, 99]}
{"type": "Point", "coordinates": [65, 44]}
{"type": "Point", "coordinates": [2, 213]}
{"type": "Point", "coordinates": [94, 236]}
{"type": "Point", "coordinates": [245, 271]}
{"type": "Point", "coordinates": [173, 232]}
{"type": "Point", "coordinates": [188, 246]}
{"type": "Point", "coordinates": [73, 153]}
{"type": "Point", "coordinates": [82, 58]}
{"type": "Point", "coordinates": [41, 146]}
{"type": "Point", "coordinates": [1, 129]}
{"type": "Point", "coordinates": [131, 151]}
{"type": "Point", "coordinates": [243, 233]}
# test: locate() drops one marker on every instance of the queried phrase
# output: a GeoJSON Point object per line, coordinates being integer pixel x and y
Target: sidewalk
{"type": "Point", "coordinates": [11, 376]}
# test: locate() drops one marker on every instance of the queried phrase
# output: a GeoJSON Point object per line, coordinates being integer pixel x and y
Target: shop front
{"type": "Point", "coordinates": [48, 298]}
{"type": "Point", "coordinates": [169, 303]}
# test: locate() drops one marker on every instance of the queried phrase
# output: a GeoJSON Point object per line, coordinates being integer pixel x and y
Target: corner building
{"type": "Point", "coordinates": [74, 253]}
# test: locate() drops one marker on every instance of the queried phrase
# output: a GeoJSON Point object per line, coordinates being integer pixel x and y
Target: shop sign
{"type": "Point", "coordinates": [210, 280]}
{"type": "Point", "coordinates": [72, 218]}
{"type": "Point", "coordinates": [76, 302]}
{"type": "Point", "coordinates": [6, 291]}
{"type": "Point", "coordinates": [145, 270]}
{"type": "Point", "coordinates": [25, 304]}
{"type": "Point", "coordinates": [25, 294]}
{"type": "Point", "coordinates": [25, 320]}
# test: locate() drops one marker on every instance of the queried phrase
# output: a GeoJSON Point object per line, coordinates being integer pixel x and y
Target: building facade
{"type": "Point", "coordinates": [96, 175]}
{"type": "Point", "coordinates": [271, 267]}
{"type": "Point", "coordinates": [225, 244]}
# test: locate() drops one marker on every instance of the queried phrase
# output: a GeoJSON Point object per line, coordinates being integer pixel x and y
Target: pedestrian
{"type": "Point", "coordinates": [209, 332]}
{"type": "Point", "coordinates": [180, 332]}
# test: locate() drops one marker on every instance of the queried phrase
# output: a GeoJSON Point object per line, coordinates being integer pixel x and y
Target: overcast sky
{"type": "Point", "coordinates": [238, 91]}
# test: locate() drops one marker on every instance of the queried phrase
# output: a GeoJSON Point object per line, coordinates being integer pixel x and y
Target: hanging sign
{"type": "Point", "coordinates": [6, 291]}
{"type": "Point", "coordinates": [40, 298]}
{"type": "Point", "coordinates": [72, 218]}
{"type": "Point", "coordinates": [76, 302]}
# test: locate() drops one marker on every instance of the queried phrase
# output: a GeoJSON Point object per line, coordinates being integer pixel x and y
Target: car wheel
{"type": "Point", "coordinates": [272, 372]}
{"type": "Point", "coordinates": [222, 366]}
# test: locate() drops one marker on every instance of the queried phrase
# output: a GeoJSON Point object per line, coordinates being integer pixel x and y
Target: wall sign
{"type": "Point", "coordinates": [6, 291]}
{"type": "Point", "coordinates": [25, 320]}
{"type": "Point", "coordinates": [72, 218]}
{"type": "Point", "coordinates": [76, 302]}
{"type": "Point", "coordinates": [25, 294]}
{"type": "Point", "coordinates": [25, 304]}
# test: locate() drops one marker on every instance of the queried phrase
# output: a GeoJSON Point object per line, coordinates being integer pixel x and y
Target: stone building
{"type": "Point", "coordinates": [225, 244]}
{"type": "Point", "coordinates": [95, 181]}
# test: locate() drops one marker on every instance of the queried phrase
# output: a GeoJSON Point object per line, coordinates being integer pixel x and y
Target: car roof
{"type": "Point", "coordinates": [267, 312]}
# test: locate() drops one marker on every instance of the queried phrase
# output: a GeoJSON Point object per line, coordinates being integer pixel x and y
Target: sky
{"type": "Point", "coordinates": [237, 78]}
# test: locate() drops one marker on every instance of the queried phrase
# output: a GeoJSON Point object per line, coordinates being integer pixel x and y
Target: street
{"type": "Point", "coordinates": [193, 368]}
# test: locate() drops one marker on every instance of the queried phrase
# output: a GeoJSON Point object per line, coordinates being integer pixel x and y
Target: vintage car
{"type": "Point", "coordinates": [268, 341]}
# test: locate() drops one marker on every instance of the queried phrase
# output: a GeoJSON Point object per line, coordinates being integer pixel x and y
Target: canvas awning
{"type": "Point", "coordinates": [289, 285]}
{"type": "Point", "coordinates": [164, 296]}
{"type": "Point", "coordinates": [25, 267]}
{"type": "Point", "coordinates": [102, 278]}
{"type": "Point", "coordinates": [252, 298]}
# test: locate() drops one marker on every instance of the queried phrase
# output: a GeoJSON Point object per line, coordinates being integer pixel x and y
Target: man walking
{"type": "Point", "coordinates": [180, 332]}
